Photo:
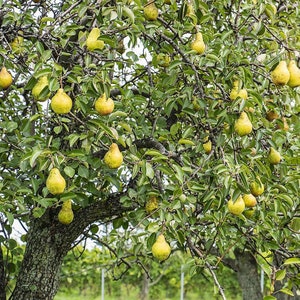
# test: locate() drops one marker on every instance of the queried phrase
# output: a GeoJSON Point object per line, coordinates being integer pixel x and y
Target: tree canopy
{"type": "Point", "coordinates": [174, 119]}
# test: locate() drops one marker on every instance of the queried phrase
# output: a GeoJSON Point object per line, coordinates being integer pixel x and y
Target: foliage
{"type": "Point", "coordinates": [164, 112]}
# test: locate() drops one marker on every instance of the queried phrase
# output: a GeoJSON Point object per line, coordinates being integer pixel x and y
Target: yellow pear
{"type": "Point", "coordinates": [92, 42]}
{"type": "Point", "coordinates": [236, 207]}
{"type": "Point", "coordinates": [5, 78]}
{"type": "Point", "coordinates": [161, 249]}
{"type": "Point", "coordinates": [66, 215]}
{"type": "Point", "coordinates": [55, 183]}
{"type": "Point", "coordinates": [113, 157]}
{"type": "Point", "coordinates": [104, 106]}
{"type": "Point", "coordinates": [250, 200]}
{"type": "Point", "coordinates": [150, 11]}
{"type": "Point", "coordinates": [243, 125]}
{"type": "Point", "coordinates": [207, 146]}
{"type": "Point", "coordinates": [280, 75]}
{"type": "Point", "coordinates": [198, 44]}
{"type": "Point", "coordinates": [294, 80]}
{"type": "Point", "coordinates": [274, 156]}
{"type": "Point", "coordinates": [39, 86]}
{"type": "Point", "coordinates": [61, 103]}
{"type": "Point", "coordinates": [151, 204]}
{"type": "Point", "coordinates": [257, 187]}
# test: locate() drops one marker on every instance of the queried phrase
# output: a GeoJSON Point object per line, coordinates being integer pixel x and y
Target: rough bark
{"type": "Point", "coordinates": [247, 273]}
{"type": "Point", "coordinates": [145, 287]}
{"type": "Point", "coordinates": [48, 242]}
{"type": "Point", "coordinates": [2, 277]}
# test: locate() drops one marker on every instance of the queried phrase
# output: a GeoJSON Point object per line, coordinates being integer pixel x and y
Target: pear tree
{"type": "Point", "coordinates": [175, 75]}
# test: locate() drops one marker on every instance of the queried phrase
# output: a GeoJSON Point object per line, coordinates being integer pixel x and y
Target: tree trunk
{"type": "Point", "coordinates": [48, 241]}
{"type": "Point", "coordinates": [247, 273]}
{"type": "Point", "coordinates": [145, 287]}
{"type": "Point", "coordinates": [2, 277]}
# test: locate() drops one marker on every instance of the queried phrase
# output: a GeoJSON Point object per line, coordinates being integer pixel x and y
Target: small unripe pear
{"type": "Point", "coordinates": [61, 103]}
{"type": "Point", "coordinates": [55, 183]}
{"type": "Point", "coordinates": [280, 75]}
{"type": "Point", "coordinates": [5, 78]}
{"type": "Point", "coordinates": [236, 207]}
{"type": "Point", "coordinates": [92, 42]}
{"type": "Point", "coordinates": [161, 249]}
{"type": "Point", "coordinates": [104, 106]}
{"type": "Point", "coordinates": [243, 125]}
{"type": "Point", "coordinates": [113, 157]}
{"type": "Point", "coordinates": [198, 44]}
{"type": "Point", "coordinates": [274, 156]}
{"type": "Point", "coordinates": [39, 86]}
{"type": "Point", "coordinates": [257, 187]}
{"type": "Point", "coordinates": [151, 204]}
{"type": "Point", "coordinates": [294, 80]}
{"type": "Point", "coordinates": [207, 146]}
{"type": "Point", "coordinates": [151, 11]}
{"type": "Point", "coordinates": [66, 215]}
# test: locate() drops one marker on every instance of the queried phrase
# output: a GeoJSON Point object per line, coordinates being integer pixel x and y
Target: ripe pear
{"type": "Point", "coordinates": [280, 75]}
{"type": "Point", "coordinates": [151, 204]}
{"type": "Point", "coordinates": [55, 183]}
{"type": "Point", "coordinates": [92, 42]}
{"type": "Point", "coordinates": [257, 187]}
{"type": "Point", "coordinates": [250, 200]}
{"type": "Point", "coordinates": [272, 115]}
{"type": "Point", "coordinates": [5, 78]}
{"type": "Point", "coordinates": [207, 146]}
{"type": "Point", "coordinates": [274, 156]}
{"type": "Point", "coordinates": [104, 106]}
{"type": "Point", "coordinates": [61, 103]}
{"type": "Point", "coordinates": [294, 80]}
{"type": "Point", "coordinates": [236, 207]}
{"type": "Point", "coordinates": [161, 249]}
{"type": "Point", "coordinates": [150, 11]}
{"type": "Point", "coordinates": [66, 215]}
{"type": "Point", "coordinates": [113, 157]}
{"type": "Point", "coordinates": [236, 92]}
{"type": "Point", "coordinates": [243, 125]}
{"type": "Point", "coordinates": [198, 44]}
{"type": "Point", "coordinates": [39, 86]}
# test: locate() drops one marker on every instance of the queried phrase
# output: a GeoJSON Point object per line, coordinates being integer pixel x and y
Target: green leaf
{"type": "Point", "coordinates": [287, 291]}
{"type": "Point", "coordinates": [292, 261]}
{"type": "Point", "coordinates": [269, 298]}
{"type": "Point", "coordinates": [69, 171]}
{"type": "Point", "coordinates": [280, 274]}
{"type": "Point", "coordinates": [83, 172]}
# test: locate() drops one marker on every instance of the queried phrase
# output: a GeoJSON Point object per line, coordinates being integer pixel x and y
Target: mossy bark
{"type": "Point", "coordinates": [48, 242]}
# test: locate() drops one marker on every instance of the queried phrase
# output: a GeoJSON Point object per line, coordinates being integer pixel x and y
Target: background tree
{"type": "Point", "coordinates": [168, 101]}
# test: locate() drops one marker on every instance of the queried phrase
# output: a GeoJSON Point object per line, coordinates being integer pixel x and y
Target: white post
{"type": "Point", "coordinates": [262, 274]}
{"type": "Point", "coordinates": [102, 284]}
{"type": "Point", "coordinates": [182, 284]}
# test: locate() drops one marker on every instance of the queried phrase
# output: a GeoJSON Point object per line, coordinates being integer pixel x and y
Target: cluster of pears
{"type": "Point", "coordinates": [247, 200]}
{"type": "Point", "coordinates": [241, 203]}
{"type": "Point", "coordinates": [161, 249]}
{"type": "Point", "coordinates": [5, 78]}
{"type": "Point", "coordinates": [198, 44]}
{"type": "Point", "coordinates": [92, 42]}
{"type": "Point", "coordinates": [286, 74]}
{"type": "Point", "coordinates": [151, 11]}
{"type": "Point", "coordinates": [56, 185]}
